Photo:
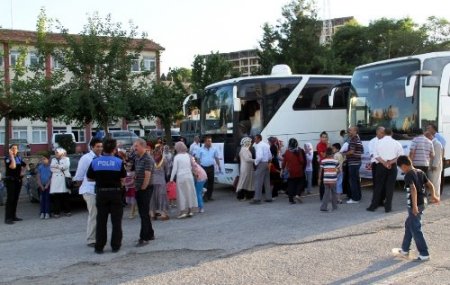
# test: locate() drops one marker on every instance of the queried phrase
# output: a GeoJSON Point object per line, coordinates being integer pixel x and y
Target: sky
{"type": "Point", "coordinates": [189, 27]}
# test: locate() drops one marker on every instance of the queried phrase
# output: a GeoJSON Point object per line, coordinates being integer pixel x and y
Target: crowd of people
{"type": "Point", "coordinates": [149, 179]}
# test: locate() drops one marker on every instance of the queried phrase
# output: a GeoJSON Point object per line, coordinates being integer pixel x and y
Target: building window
{"type": "Point", "coordinates": [39, 135]}
{"type": "Point", "coordinates": [80, 135]}
{"type": "Point", "coordinates": [135, 65]}
{"type": "Point", "coordinates": [59, 130]}
{"type": "Point", "coordinates": [56, 64]}
{"type": "Point", "coordinates": [2, 135]}
{"type": "Point", "coordinates": [149, 64]}
{"type": "Point", "coordinates": [19, 133]}
{"type": "Point", "coordinates": [33, 59]}
{"type": "Point", "coordinates": [13, 58]}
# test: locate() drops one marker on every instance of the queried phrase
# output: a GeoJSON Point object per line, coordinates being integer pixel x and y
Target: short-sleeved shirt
{"type": "Point", "coordinates": [419, 179]}
{"type": "Point", "coordinates": [330, 168]}
{"type": "Point", "coordinates": [142, 164]}
{"type": "Point", "coordinates": [321, 148]}
{"type": "Point", "coordinates": [441, 139]}
{"type": "Point", "coordinates": [45, 174]}
{"type": "Point", "coordinates": [107, 171]}
{"type": "Point", "coordinates": [423, 150]}
{"type": "Point", "coordinates": [207, 156]}
{"type": "Point", "coordinates": [17, 172]}
{"type": "Point", "coordinates": [356, 146]}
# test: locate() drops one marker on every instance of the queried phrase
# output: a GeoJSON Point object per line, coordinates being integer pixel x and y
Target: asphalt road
{"type": "Point", "coordinates": [232, 243]}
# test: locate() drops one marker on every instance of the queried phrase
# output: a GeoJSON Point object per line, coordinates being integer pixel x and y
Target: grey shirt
{"type": "Point", "coordinates": [142, 164]}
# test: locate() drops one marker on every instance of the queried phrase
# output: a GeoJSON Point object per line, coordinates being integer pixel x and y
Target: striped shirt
{"type": "Point", "coordinates": [330, 168]}
{"type": "Point", "coordinates": [423, 151]}
{"type": "Point", "coordinates": [356, 146]}
{"type": "Point", "coordinates": [142, 164]}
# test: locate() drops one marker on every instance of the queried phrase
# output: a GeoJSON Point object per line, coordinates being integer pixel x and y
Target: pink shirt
{"type": "Point", "coordinates": [199, 172]}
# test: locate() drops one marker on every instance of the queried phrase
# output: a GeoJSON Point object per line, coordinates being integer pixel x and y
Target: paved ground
{"type": "Point", "coordinates": [232, 243]}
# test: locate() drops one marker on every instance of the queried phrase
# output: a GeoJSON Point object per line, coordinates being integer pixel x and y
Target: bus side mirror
{"type": "Point", "coordinates": [237, 104]}
{"type": "Point", "coordinates": [236, 101]}
{"type": "Point", "coordinates": [331, 97]}
{"type": "Point", "coordinates": [411, 80]}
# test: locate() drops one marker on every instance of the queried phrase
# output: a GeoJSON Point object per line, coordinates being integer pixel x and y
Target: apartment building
{"type": "Point", "coordinates": [39, 133]}
{"type": "Point", "coordinates": [246, 62]}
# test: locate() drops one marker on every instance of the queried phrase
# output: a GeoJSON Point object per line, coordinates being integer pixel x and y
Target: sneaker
{"type": "Point", "coordinates": [191, 214]}
{"type": "Point", "coordinates": [42, 216]}
{"type": "Point", "coordinates": [47, 216]}
{"type": "Point", "coordinates": [182, 216]}
{"type": "Point", "coordinates": [352, 202]}
{"type": "Point", "coordinates": [142, 243]}
{"type": "Point", "coordinates": [400, 252]}
{"type": "Point", "coordinates": [422, 258]}
{"type": "Point", "coordinates": [201, 210]}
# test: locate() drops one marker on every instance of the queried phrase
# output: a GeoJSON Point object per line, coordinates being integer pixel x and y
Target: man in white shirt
{"type": "Point", "coordinates": [373, 161]}
{"type": "Point", "coordinates": [435, 169]}
{"type": "Point", "coordinates": [87, 188]}
{"type": "Point", "coordinates": [262, 173]}
{"type": "Point", "coordinates": [387, 151]}
{"type": "Point", "coordinates": [195, 146]}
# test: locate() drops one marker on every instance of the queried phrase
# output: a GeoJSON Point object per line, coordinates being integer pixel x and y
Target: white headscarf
{"type": "Point", "coordinates": [246, 142]}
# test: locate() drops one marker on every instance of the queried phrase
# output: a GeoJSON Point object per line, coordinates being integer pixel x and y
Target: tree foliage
{"type": "Point", "coordinates": [100, 59]}
{"type": "Point", "coordinates": [209, 69]}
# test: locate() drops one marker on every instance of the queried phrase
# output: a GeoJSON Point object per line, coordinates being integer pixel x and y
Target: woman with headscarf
{"type": "Point", "coordinates": [182, 169]}
{"type": "Point", "coordinates": [294, 163]}
{"type": "Point", "coordinates": [245, 187]}
{"type": "Point", "coordinates": [159, 204]}
{"type": "Point", "coordinates": [60, 170]}
{"type": "Point", "coordinates": [275, 170]}
{"type": "Point", "coordinates": [168, 157]}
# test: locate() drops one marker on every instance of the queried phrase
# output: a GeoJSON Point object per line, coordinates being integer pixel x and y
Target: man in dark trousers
{"type": "Point", "coordinates": [13, 183]}
{"type": "Point", "coordinates": [144, 165]}
{"type": "Point", "coordinates": [108, 172]}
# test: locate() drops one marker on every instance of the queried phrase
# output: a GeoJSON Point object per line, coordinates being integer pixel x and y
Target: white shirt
{"type": "Point", "coordinates": [372, 147]}
{"type": "Point", "coordinates": [387, 149]}
{"type": "Point", "coordinates": [344, 147]}
{"type": "Point", "coordinates": [87, 187]}
{"type": "Point", "coordinates": [263, 154]}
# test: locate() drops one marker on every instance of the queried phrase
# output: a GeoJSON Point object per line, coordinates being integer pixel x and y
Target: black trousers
{"type": "Point", "coordinates": [60, 201]}
{"type": "Point", "coordinates": [13, 188]}
{"type": "Point", "coordinates": [374, 182]}
{"type": "Point", "coordinates": [109, 203]}
{"type": "Point", "coordinates": [385, 184]}
{"type": "Point", "coordinates": [423, 168]}
{"type": "Point", "coordinates": [210, 183]}
{"type": "Point", "coordinates": [143, 203]}
{"type": "Point", "coordinates": [321, 186]}
{"type": "Point", "coordinates": [295, 187]}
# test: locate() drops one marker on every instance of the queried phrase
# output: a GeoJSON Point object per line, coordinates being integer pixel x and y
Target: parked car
{"type": "Point", "coordinates": [57, 137]}
{"type": "Point", "coordinates": [30, 182]}
{"type": "Point", "coordinates": [153, 135]}
{"type": "Point", "coordinates": [125, 139]}
{"type": "Point", "coordinates": [24, 146]}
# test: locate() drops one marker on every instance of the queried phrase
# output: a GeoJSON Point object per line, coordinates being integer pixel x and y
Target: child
{"type": "Point", "coordinates": [415, 182]}
{"type": "Point", "coordinates": [330, 167]}
{"type": "Point", "coordinates": [340, 158]}
{"type": "Point", "coordinates": [131, 192]}
{"type": "Point", "coordinates": [309, 151]}
{"type": "Point", "coordinates": [200, 180]}
{"type": "Point", "coordinates": [43, 178]}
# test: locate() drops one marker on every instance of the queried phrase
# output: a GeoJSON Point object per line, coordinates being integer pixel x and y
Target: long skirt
{"type": "Point", "coordinates": [159, 202]}
{"type": "Point", "coordinates": [186, 194]}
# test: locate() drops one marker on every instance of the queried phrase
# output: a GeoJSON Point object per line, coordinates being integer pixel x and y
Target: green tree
{"type": "Point", "coordinates": [438, 31]}
{"type": "Point", "coordinates": [100, 59]}
{"type": "Point", "coordinates": [209, 69]}
{"type": "Point", "coordinates": [183, 74]}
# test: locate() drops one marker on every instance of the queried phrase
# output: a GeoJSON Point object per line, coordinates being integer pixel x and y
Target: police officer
{"type": "Point", "coordinates": [13, 183]}
{"type": "Point", "coordinates": [108, 172]}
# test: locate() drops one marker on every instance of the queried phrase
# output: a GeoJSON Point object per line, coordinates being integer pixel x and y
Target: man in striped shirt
{"type": "Point", "coordinates": [330, 167]}
{"type": "Point", "coordinates": [354, 153]}
{"type": "Point", "coordinates": [421, 152]}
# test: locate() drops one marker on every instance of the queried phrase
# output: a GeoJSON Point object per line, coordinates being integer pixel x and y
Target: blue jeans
{"type": "Point", "coordinates": [45, 201]}
{"type": "Point", "coordinates": [355, 182]}
{"type": "Point", "coordinates": [309, 177]}
{"type": "Point", "coordinates": [413, 229]}
{"type": "Point", "coordinates": [2, 191]}
{"type": "Point", "coordinates": [199, 189]}
{"type": "Point", "coordinates": [340, 178]}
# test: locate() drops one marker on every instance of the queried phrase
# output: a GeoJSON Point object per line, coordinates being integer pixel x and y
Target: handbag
{"type": "Point", "coordinates": [171, 190]}
{"type": "Point", "coordinates": [68, 180]}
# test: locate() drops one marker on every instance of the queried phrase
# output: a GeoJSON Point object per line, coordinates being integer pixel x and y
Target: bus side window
{"type": "Point", "coordinates": [315, 94]}
{"type": "Point", "coordinates": [341, 98]}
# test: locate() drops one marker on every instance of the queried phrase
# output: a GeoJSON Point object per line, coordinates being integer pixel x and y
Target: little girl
{"type": "Point", "coordinates": [309, 167]}
{"type": "Point", "coordinates": [200, 180]}
{"type": "Point", "coordinates": [131, 193]}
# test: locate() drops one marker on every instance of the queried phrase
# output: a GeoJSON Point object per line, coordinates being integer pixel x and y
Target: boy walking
{"type": "Point", "coordinates": [415, 183]}
{"type": "Point", "coordinates": [330, 169]}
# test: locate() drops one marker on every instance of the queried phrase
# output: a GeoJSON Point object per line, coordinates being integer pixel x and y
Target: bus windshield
{"type": "Point", "coordinates": [378, 98]}
{"type": "Point", "coordinates": [217, 110]}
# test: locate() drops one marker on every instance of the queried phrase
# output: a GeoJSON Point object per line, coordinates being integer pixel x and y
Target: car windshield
{"type": "Point", "coordinates": [378, 98]}
{"type": "Point", "coordinates": [217, 110]}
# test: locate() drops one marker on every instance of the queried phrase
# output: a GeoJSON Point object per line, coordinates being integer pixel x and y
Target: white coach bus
{"type": "Point", "coordinates": [405, 94]}
{"type": "Point", "coordinates": [281, 105]}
